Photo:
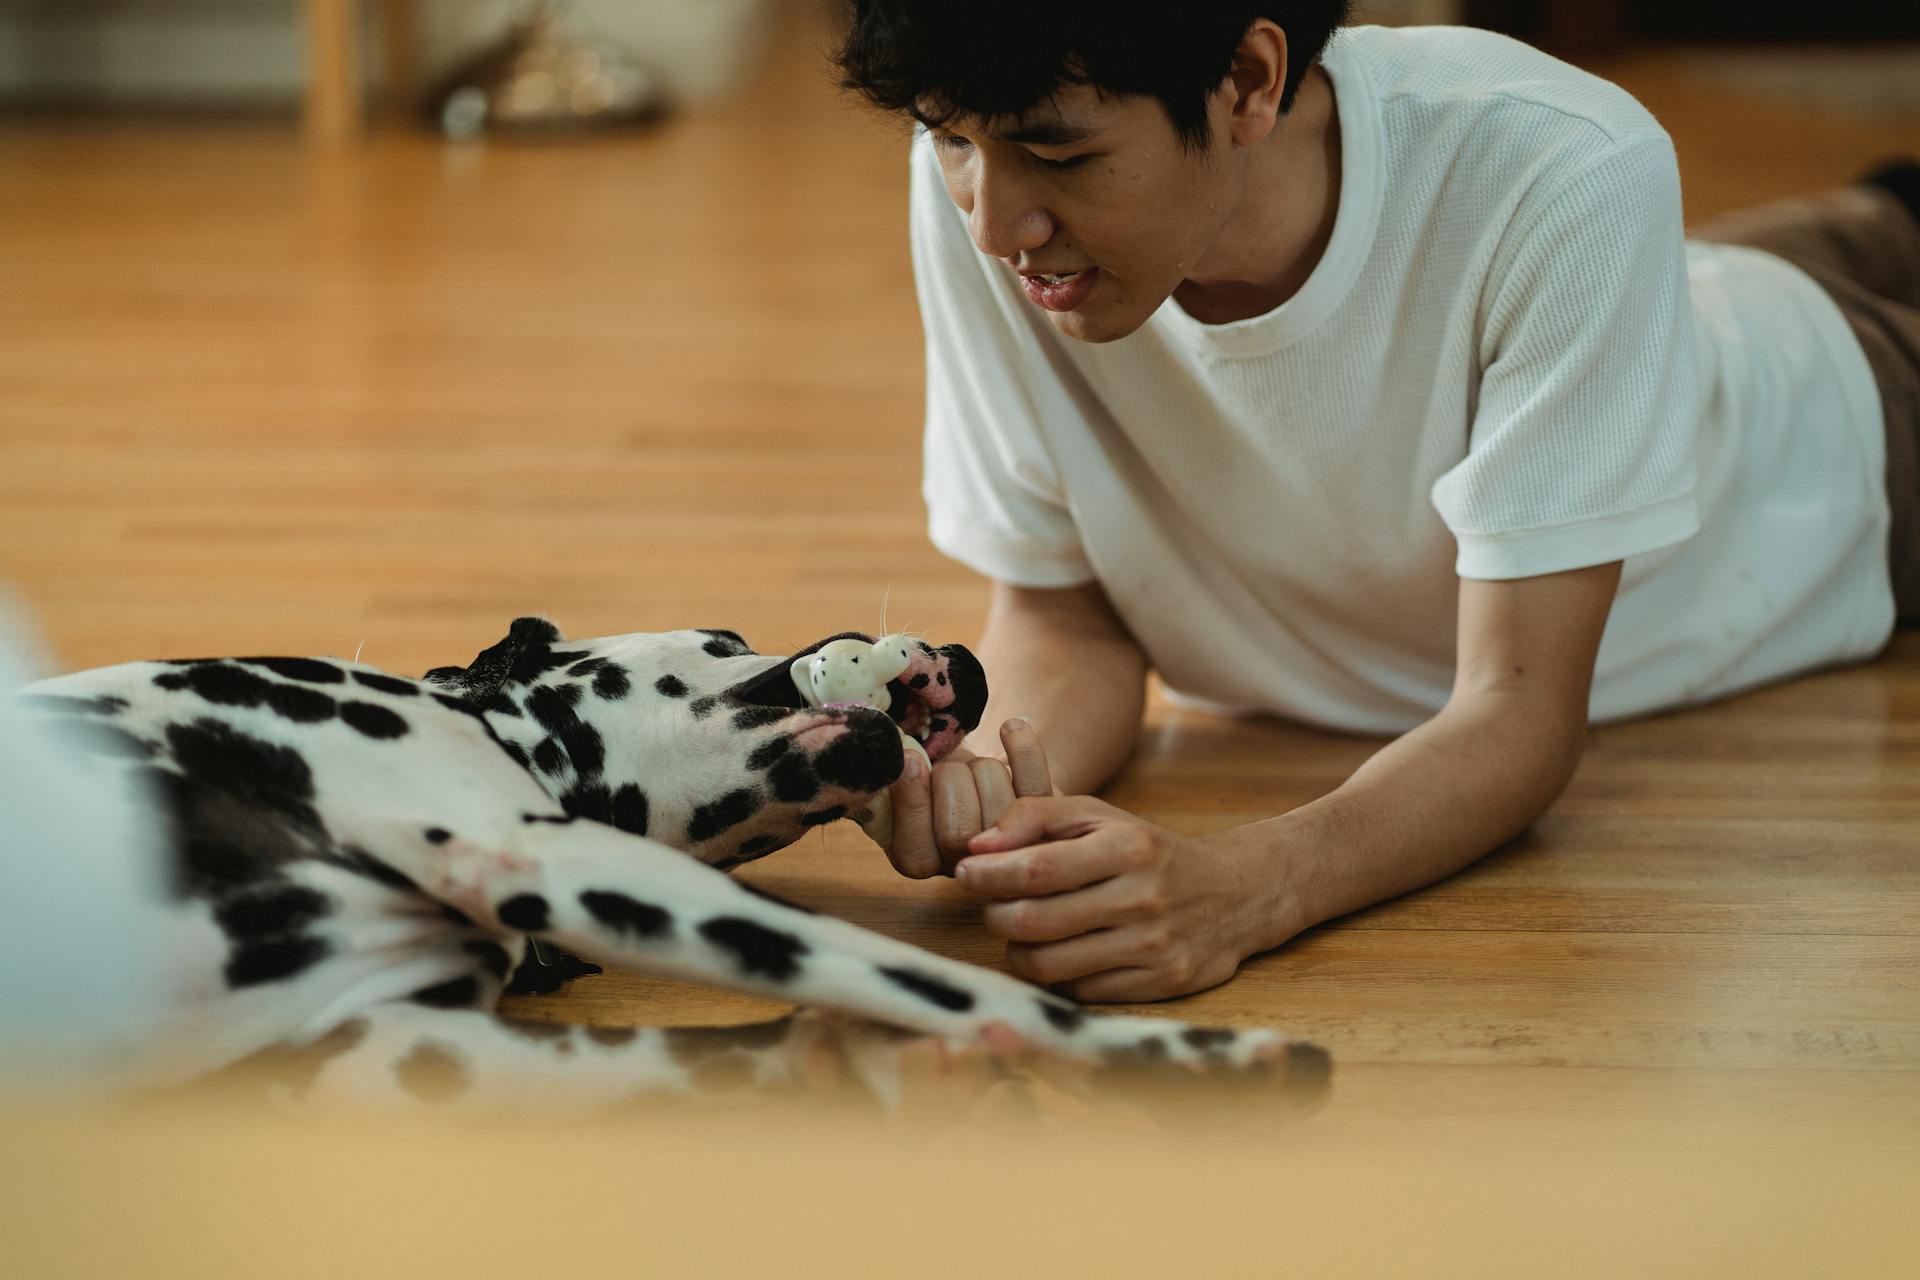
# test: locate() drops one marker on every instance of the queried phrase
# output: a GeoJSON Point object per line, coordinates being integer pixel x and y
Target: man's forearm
{"type": "Point", "coordinates": [1420, 809]}
{"type": "Point", "coordinates": [1062, 660]}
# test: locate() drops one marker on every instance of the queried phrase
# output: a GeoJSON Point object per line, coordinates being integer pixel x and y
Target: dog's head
{"type": "Point", "coordinates": [693, 739]}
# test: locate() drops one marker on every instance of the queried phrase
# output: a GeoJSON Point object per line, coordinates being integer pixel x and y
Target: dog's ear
{"type": "Point", "coordinates": [482, 678]}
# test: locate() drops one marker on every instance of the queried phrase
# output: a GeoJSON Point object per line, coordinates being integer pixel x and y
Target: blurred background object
{"type": "Point", "coordinates": [333, 56]}
{"type": "Point", "coordinates": [547, 74]}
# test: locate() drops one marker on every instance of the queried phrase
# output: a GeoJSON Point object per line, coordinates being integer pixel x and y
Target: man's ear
{"type": "Point", "coordinates": [1257, 83]}
{"type": "Point", "coordinates": [482, 678]}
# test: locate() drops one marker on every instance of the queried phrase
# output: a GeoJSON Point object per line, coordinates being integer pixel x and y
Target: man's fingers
{"type": "Point", "coordinates": [1049, 963]}
{"type": "Point", "coordinates": [1027, 758]}
{"type": "Point", "coordinates": [995, 786]}
{"type": "Point", "coordinates": [1056, 867]}
{"type": "Point", "coordinates": [956, 811]}
{"type": "Point", "coordinates": [913, 852]}
{"type": "Point", "coordinates": [1030, 819]}
{"type": "Point", "coordinates": [1062, 915]}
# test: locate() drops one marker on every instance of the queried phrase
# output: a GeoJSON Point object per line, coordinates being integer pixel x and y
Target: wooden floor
{"type": "Point", "coordinates": [258, 398]}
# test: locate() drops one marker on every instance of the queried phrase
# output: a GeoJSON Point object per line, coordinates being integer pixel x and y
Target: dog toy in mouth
{"type": "Point", "coordinates": [854, 673]}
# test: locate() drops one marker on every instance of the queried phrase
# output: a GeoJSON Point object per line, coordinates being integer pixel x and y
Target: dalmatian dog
{"type": "Point", "coordinates": [359, 864]}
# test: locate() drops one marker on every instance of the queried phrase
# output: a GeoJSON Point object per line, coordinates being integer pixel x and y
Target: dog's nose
{"type": "Point", "coordinates": [867, 757]}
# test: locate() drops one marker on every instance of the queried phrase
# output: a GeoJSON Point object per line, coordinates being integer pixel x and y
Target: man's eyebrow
{"type": "Point", "coordinates": [1040, 133]}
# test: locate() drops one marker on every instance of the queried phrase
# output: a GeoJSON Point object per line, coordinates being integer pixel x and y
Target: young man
{"type": "Point", "coordinates": [1367, 382]}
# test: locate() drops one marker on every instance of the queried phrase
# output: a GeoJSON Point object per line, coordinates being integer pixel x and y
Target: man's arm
{"type": "Point", "coordinates": [1064, 661]}
{"type": "Point", "coordinates": [1118, 909]}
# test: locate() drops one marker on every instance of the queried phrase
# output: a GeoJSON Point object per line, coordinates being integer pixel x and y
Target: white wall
{"type": "Point", "coordinates": [247, 53]}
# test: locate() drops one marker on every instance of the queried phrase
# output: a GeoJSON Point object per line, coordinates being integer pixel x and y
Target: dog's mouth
{"type": "Point", "coordinates": [937, 701]}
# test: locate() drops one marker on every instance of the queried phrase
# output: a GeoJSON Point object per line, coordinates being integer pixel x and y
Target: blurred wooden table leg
{"type": "Point", "coordinates": [332, 112]}
{"type": "Point", "coordinates": [400, 57]}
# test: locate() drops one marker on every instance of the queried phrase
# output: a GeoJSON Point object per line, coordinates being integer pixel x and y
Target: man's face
{"type": "Point", "coordinates": [1092, 201]}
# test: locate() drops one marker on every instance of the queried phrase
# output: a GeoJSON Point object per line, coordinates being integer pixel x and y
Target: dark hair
{"type": "Point", "coordinates": [997, 59]}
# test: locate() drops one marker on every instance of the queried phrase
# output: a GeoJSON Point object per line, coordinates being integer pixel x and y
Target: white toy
{"type": "Point", "coordinates": [853, 673]}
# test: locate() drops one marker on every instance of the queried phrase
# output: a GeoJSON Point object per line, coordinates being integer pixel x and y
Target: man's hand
{"type": "Point", "coordinates": [1101, 906]}
{"type": "Point", "coordinates": [933, 818]}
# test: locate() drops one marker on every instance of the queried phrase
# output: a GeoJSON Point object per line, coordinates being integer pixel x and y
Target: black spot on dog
{"type": "Point", "coordinates": [489, 953]}
{"type": "Point", "coordinates": [629, 810]}
{"type": "Point", "coordinates": [821, 817]}
{"type": "Point", "coordinates": [689, 1045]}
{"type": "Point", "coordinates": [545, 970]}
{"type": "Point", "coordinates": [374, 721]}
{"type": "Point", "coordinates": [552, 705]}
{"type": "Point", "coordinates": [941, 678]}
{"type": "Point", "coordinates": [936, 724]}
{"type": "Point", "coordinates": [626, 915]}
{"type": "Point", "coordinates": [537, 661]}
{"type": "Point", "coordinates": [767, 752]}
{"type": "Point", "coordinates": [611, 1037]}
{"type": "Point", "coordinates": [1204, 1038]}
{"type": "Point", "coordinates": [527, 912]}
{"type": "Point", "coordinates": [933, 990]}
{"type": "Point", "coordinates": [759, 949]}
{"type": "Point", "coordinates": [581, 670]}
{"type": "Point", "coordinates": [918, 682]}
{"type": "Point", "coordinates": [558, 820]}
{"type": "Point", "coordinates": [516, 752]}
{"type": "Point", "coordinates": [584, 746]}
{"type": "Point", "coordinates": [245, 767]}
{"type": "Point", "coordinates": [299, 704]}
{"type": "Point", "coordinates": [590, 800]}
{"type": "Point", "coordinates": [387, 684]}
{"type": "Point", "coordinates": [671, 686]}
{"type": "Point", "coordinates": [703, 707]}
{"type": "Point", "coordinates": [1065, 1018]}
{"type": "Point", "coordinates": [437, 835]}
{"type": "Point", "coordinates": [61, 704]}
{"type": "Point", "coordinates": [548, 757]}
{"type": "Point", "coordinates": [452, 703]}
{"type": "Point", "coordinates": [274, 959]}
{"type": "Point", "coordinates": [611, 682]}
{"type": "Point", "coordinates": [220, 684]}
{"type": "Point", "coordinates": [275, 911]}
{"type": "Point", "coordinates": [310, 670]}
{"type": "Point", "coordinates": [793, 780]}
{"type": "Point", "coordinates": [759, 845]}
{"type": "Point", "coordinates": [1148, 1052]}
{"type": "Point", "coordinates": [759, 717]}
{"type": "Point", "coordinates": [865, 758]}
{"type": "Point", "coordinates": [298, 1067]}
{"type": "Point", "coordinates": [724, 644]}
{"type": "Point", "coordinates": [501, 703]}
{"type": "Point", "coordinates": [730, 810]}
{"type": "Point", "coordinates": [432, 1072]}
{"type": "Point", "coordinates": [455, 993]}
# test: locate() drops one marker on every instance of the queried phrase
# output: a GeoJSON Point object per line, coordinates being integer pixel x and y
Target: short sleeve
{"type": "Point", "coordinates": [995, 498]}
{"type": "Point", "coordinates": [1582, 444]}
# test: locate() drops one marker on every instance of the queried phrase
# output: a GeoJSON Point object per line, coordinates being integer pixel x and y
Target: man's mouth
{"type": "Point", "coordinates": [1059, 290]}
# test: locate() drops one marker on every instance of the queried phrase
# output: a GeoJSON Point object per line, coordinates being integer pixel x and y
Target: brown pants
{"type": "Point", "coordinates": [1863, 247]}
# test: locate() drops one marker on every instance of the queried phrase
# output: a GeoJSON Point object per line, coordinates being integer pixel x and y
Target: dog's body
{"type": "Point", "coordinates": [358, 861]}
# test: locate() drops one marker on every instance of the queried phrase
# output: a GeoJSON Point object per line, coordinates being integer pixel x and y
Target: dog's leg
{"type": "Point", "coordinates": [623, 900]}
{"type": "Point", "coordinates": [404, 1055]}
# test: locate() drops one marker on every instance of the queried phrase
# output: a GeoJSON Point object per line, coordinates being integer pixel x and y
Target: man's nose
{"type": "Point", "coordinates": [1005, 220]}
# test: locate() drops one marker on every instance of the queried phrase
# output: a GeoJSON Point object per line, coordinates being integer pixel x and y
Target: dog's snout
{"type": "Point", "coordinates": [868, 757]}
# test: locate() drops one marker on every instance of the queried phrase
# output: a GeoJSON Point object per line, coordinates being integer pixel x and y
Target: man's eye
{"type": "Point", "coordinates": [950, 142]}
{"type": "Point", "coordinates": [1069, 162]}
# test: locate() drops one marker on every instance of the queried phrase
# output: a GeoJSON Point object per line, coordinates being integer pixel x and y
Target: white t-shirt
{"type": "Point", "coordinates": [1507, 363]}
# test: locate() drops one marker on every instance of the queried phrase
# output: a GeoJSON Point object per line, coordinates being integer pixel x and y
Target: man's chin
{"type": "Point", "coordinates": [1095, 324]}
